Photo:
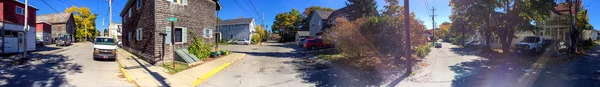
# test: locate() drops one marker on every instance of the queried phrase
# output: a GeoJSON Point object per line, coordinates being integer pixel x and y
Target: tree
{"type": "Point", "coordinates": [392, 8]}
{"type": "Point", "coordinates": [361, 8]}
{"type": "Point", "coordinates": [85, 24]}
{"type": "Point", "coordinates": [105, 33]}
{"type": "Point", "coordinates": [307, 15]}
{"type": "Point", "coordinates": [261, 34]}
{"type": "Point", "coordinates": [499, 17]}
{"type": "Point", "coordinates": [286, 24]}
{"type": "Point", "coordinates": [444, 30]}
{"type": "Point", "coordinates": [518, 15]}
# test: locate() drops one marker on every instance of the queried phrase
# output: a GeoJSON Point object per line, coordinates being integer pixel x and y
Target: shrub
{"type": "Point", "coordinates": [255, 38]}
{"type": "Point", "coordinates": [422, 50]}
{"type": "Point", "coordinates": [174, 67]}
{"type": "Point", "coordinates": [200, 48]}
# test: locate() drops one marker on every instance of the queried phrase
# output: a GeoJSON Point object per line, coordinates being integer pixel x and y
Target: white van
{"type": "Point", "coordinates": [105, 48]}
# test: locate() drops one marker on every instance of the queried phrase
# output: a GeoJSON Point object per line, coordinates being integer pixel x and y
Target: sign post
{"type": "Point", "coordinates": [172, 20]}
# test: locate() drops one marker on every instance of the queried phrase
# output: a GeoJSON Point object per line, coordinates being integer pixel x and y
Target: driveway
{"type": "Point", "coordinates": [271, 64]}
{"type": "Point", "coordinates": [69, 67]}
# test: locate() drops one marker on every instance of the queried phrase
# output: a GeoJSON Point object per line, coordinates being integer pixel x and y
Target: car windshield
{"type": "Point", "coordinates": [105, 41]}
{"type": "Point", "coordinates": [530, 39]}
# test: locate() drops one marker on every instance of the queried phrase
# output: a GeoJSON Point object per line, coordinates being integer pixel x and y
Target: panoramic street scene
{"type": "Point", "coordinates": [299, 43]}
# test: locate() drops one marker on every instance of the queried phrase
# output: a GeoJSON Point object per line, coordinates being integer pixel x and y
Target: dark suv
{"type": "Point", "coordinates": [63, 41]}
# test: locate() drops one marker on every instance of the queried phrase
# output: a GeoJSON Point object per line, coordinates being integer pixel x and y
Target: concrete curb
{"type": "Point", "coordinates": [125, 73]}
{"type": "Point", "coordinates": [214, 71]}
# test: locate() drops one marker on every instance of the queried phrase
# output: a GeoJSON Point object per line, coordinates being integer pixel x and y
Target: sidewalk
{"type": "Point", "coordinates": [144, 74]}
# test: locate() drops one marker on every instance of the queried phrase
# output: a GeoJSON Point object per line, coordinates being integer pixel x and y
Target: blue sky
{"type": "Point", "coordinates": [232, 10]}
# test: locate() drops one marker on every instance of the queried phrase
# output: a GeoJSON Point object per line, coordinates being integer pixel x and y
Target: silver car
{"type": "Point", "coordinates": [244, 42]}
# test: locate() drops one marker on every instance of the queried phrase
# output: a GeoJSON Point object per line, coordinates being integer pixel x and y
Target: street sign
{"type": "Point", "coordinates": [173, 19]}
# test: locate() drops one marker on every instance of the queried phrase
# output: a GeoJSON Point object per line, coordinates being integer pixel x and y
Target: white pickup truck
{"type": "Point", "coordinates": [533, 45]}
{"type": "Point", "coordinates": [105, 48]}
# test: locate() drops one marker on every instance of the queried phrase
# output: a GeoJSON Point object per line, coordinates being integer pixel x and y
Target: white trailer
{"type": "Point", "coordinates": [13, 38]}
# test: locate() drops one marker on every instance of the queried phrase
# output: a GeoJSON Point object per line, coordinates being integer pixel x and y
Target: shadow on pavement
{"type": "Point", "coordinates": [275, 54]}
{"type": "Point", "coordinates": [512, 70]}
{"type": "Point", "coordinates": [46, 48]}
{"type": "Point", "coordinates": [48, 70]}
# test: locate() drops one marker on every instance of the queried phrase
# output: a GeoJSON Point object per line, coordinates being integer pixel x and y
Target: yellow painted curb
{"type": "Point", "coordinates": [125, 73]}
{"type": "Point", "coordinates": [211, 73]}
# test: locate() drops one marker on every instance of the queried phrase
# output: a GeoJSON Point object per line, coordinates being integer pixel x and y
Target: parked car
{"type": "Point", "coordinates": [472, 43]}
{"type": "Point", "coordinates": [314, 44]}
{"type": "Point", "coordinates": [532, 45]}
{"type": "Point", "coordinates": [105, 48]}
{"type": "Point", "coordinates": [300, 41]}
{"type": "Point", "coordinates": [63, 41]}
{"type": "Point", "coordinates": [119, 43]}
{"type": "Point", "coordinates": [244, 42]}
{"type": "Point", "coordinates": [438, 44]}
{"type": "Point", "coordinates": [39, 42]}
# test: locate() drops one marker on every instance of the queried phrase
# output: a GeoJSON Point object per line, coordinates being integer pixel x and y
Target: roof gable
{"type": "Point", "coordinates": [55, 18]}
{"type": "Point", "coordinates": [322, 13]}
{"type": "Point", "coordinates": [236, 21]}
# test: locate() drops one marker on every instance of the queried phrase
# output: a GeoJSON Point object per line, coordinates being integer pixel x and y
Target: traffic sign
{"type": "Point", "coordinates": [174, 19]}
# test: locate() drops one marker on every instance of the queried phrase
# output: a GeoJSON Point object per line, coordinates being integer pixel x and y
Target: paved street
{"type": "Point", "coordinates": [269, 65]}
{"type": "Point", "coordinates": [71, 66]}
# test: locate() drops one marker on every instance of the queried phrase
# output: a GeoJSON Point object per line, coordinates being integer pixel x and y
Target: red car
{"type": "Point", "coordinates": [314, 44]}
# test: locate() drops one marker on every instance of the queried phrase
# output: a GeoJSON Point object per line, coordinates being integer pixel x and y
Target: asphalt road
{"type": "Point", "coordinates": [268, 65]}
{"type": "Point", "coordinates": [72, 66]}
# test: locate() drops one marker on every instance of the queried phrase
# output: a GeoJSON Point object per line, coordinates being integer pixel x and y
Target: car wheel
{"type": "Point", "coordinates": [533, 51]}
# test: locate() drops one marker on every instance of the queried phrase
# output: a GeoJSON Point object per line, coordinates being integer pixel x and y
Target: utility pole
{"type": "Point", "coordinates": [26, 27]}
{"type": "Point", "coordinates": [103, 25]}
{"type": "Point", "coordinates": [109, 16]}
{"type": "Point", "coordinates": [407, 33]}
{"type": "Point", "coordinates": [574, 34]}
{"type": "Point", "coordinates": [433, 23]}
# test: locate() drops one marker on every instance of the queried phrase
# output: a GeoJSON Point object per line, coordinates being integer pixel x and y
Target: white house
{"type": "Point", "coordinates": [115, 30]}
{"type": "Point", "coordinates": [241, 28]}
{"type": "Point", "coordinates": [316, 24]}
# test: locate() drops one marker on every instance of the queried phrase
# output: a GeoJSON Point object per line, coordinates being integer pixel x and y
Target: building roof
{"type": "Point", "coordinates": [24, 4]}
{"type": "Point", "coordinates": [303, 33]}
{"type": "Point", "coordinates": [337, 13]}
{"type": "Point", "coordinates": [322, 13]}
{"type": "Point", "coordinates": [236, 21]}
{"type": "Point", "coordinates": [39, 22]}
{"type": "Point", "coordinates": [54, 18]}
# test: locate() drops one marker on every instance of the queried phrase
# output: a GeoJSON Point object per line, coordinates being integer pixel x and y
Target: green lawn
{"type": "Point", "coordinates": [179, 66]}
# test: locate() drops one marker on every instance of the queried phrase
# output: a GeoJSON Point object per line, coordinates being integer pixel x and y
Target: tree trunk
{"type": "Point", "coordinates": [487, 37]}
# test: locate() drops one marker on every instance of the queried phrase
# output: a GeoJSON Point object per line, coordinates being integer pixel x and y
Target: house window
{"type": "Point", "coordinates": [19, 10]}
{"type": "Point", "coordinates": [129, 36]}
{"type": "Point", "coordinates": [178, 34]}
{"type": "Point", "coordinates": [207, 33]}
{"type": "Point", "coordinates": [139, 3]}
{"type": "Point", "coordinates": [181, 2]}
{"type": "Point", "coordinates": [138, 34]}
{"type": "Point", "coordinates": [129, 12]}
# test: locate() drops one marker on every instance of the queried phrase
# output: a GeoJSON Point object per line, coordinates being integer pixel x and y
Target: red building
{"type": "Point", "coordinates": [43, 31]}
{"type": "Point", "coordinates": [12, 33]}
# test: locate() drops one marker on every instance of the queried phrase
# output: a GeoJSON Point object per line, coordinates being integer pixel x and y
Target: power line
{"type": "Point", "coordinates": [238, 3]}
{"type": "Point", "coordinates": [256, 11]}
{"type": "Point", "coordinates": [52, 8]}
{"type": "Point", "coordinates": [73, 3]}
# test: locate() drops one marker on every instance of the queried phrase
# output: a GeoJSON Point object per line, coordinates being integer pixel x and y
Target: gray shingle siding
{"type": "Point", "coordinates": [195, 16]}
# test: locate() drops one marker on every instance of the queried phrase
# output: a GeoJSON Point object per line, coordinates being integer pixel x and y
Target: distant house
{"type": "Point", "coordinates": [317, 21]}
{"type": "Point", "coordinates": [12, 31]}
{"type": "Point", "coordinates": [144, 20]}
{"type": "Point", "coordinates": [241, 28]}
{"type": "Point", "coordinates": [43, 32]}
{"type": "Point", "coordinates": [557, 25]}
{"type": "Point", "coordinates": [302, 34]}
{"type": "Point", "coordinates": [115, 30]}
{"type": "Point", "coordinates": [340, 13]}
{"type": "Point", "coordinates": [62, 24]}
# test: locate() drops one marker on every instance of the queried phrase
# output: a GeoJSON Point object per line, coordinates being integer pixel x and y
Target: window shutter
{"type": "Point", "coordinates": [141, 32]}
{"type": "Point", "coordinates": [168, 37]}
{"type": "Point", "coordinates": [210, 33]}
{"type": "Point", "coordinates": [184, 35]}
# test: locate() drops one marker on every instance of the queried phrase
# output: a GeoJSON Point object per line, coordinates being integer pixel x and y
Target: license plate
{"type": "Point", "coordinates": [105, 56]}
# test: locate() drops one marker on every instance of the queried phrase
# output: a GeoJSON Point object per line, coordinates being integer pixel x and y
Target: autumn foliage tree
{"type": "Point", "coordinates": [85, 22]}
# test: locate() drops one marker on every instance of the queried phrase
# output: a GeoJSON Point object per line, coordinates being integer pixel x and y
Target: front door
{"type": "Point", "coordinates": [21, 40]}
